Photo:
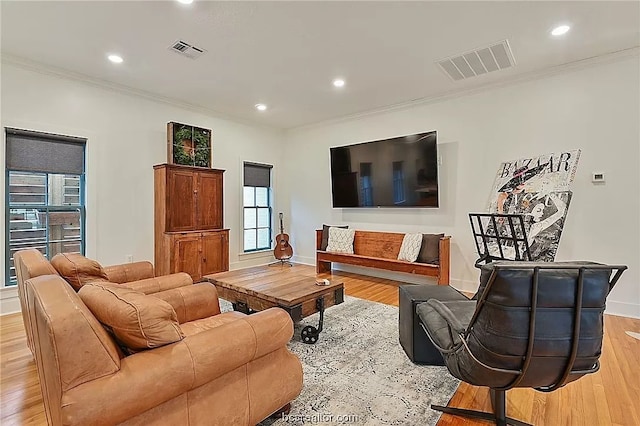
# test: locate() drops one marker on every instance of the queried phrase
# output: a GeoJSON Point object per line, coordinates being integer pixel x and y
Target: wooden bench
{"type": "Point", "coordinates": [380, 250]}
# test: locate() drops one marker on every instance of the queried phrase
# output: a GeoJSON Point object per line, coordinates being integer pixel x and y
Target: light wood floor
{"type": "Point", "coordinates": [608, 397]}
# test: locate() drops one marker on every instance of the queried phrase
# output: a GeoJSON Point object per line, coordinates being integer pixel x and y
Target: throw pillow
{"type": "Point", "coordinates": [77, 269]}
{"type": "Point", "coordinates": [410, 247]}
{"type": "Point", "coordinates": [136, 320]}
{"type": "Point", "coordinates": [430, 250]}
{"type": "Point", "coordinates": [341, 240]}
{"type": "Point", "coordinates": [325, 235]}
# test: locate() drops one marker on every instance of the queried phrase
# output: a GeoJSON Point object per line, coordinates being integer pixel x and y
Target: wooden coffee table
{"type": "Point", "coordinates": [260, 288]}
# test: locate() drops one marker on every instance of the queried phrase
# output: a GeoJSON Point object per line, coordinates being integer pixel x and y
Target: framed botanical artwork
{"type": "Point", "coordinates": [188, 145]}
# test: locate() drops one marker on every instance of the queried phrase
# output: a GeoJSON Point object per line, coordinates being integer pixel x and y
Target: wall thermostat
{"type": "Point", "coordinates": [597, 177]}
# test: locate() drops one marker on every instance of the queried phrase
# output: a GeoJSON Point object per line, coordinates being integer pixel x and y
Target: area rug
{"type": "Point", "coordinates": [357, 372]}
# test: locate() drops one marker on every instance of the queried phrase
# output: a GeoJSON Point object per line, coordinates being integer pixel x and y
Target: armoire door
{"type": "Point", "coordinates": [215, 252]}
{"type": "Point", "coordinates": [187, 256]}
{"type": "Point", "coordinates": [181, 209]}
{"type": "Point", "coordinates": [209, 200]}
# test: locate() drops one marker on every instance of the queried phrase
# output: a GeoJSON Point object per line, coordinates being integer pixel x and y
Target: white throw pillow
{"type": "Point", "coordinates": [410, 247]}
{"type": "Point", "coordinates": [341, 240]}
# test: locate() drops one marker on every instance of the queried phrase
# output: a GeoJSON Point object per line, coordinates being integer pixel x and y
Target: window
{"type": "Point", "coordinates": [257, 207]}
{"type": "Point", "coordinates": [45, 194]}
{"type": "Point", "coordinates": [366, 184]}
{"type": "Point", "coordinates": [398, 183]}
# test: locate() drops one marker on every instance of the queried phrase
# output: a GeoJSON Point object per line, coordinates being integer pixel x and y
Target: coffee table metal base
{"type": "Point", "coordinates": [309, 334]}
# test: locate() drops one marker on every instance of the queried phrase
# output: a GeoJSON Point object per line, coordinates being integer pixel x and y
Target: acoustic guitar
{"type": "Point", "coordinates": [283, 249]}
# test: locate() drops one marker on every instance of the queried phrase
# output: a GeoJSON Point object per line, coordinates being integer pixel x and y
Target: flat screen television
{"type": "Point", "coordinates": [396, 172]}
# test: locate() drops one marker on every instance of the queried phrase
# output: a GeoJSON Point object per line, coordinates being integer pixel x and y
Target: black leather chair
{"type": "Point", "coordinates": [537, 325]}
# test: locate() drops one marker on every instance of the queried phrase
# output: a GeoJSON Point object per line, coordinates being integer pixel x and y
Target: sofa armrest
{"type": "Point", "coordinates": [273, 329]}
{"type": "Point", "coordinates": [247, 339]}
{"type": "Point", "coordinates": [157, 284]}
{"type": "Point", "coordinates": [192, 302]}
{"type": "Point", "coordinates": [129, 272]}
{"type": "Point", "coordinates": [188, 364]}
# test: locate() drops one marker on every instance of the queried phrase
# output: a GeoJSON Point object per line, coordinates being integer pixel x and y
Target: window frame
{"type": "Point", "coordinates": [8, 282]}
{"type": "Point", "coordinates": [256, 208]}
{"type": "Point", "coordinates": [31, 168]}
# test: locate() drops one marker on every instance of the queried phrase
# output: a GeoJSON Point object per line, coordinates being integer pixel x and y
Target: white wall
{"type": "Point", "coordinates": [595, 109]}
{"type": "Point", "coordinates": [126, 137]}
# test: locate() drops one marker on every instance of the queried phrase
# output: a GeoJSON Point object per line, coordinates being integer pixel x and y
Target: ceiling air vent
{"type": "Point", "coordinates": [494, 57]}
{"type": "Point", "coordinates": [185, 49]}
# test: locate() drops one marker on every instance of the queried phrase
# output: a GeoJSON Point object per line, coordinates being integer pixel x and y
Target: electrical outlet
{"type": "Point", "coordinates": [598, 177]}
{"type": "Point", "coordinates": [129, 258]}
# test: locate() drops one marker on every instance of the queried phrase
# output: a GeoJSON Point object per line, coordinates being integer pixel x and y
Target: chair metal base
{"type": "Point", "coordinates": [499, 415]}
{"type": "Point", "coordinates": [282, 262]}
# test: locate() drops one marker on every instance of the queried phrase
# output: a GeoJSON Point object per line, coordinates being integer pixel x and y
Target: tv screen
{"type": "Point", "coordinates": [396, 172]}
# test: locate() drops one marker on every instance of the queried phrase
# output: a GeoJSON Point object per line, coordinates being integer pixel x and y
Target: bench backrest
{"type": "Point", "coordinates": [385, 245]}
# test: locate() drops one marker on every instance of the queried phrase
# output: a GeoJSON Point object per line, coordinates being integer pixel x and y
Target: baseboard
{"type": "Point", "coordinates": [252, 259]}
{"type": "Point", "coordinates": [622, 309]}
{"type": "Point", "coordinates": [9, 301]}
{"type": "Point", "coordinates": [304, 260]}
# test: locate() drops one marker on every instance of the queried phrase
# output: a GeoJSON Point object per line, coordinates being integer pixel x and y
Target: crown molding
{"type": "Point", "coordinates": [612, 57]}
{"type": "Point", "coordinates": [41, 68]}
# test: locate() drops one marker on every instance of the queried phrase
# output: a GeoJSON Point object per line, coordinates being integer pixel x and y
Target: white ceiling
{"type": "Point", "coordinates": [285, 54]}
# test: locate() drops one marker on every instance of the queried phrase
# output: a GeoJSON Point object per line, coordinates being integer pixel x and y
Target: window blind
{"type": "Point", "coordinates": [44, 152]}
{"type": "Point", "coordinates": [257, 174]}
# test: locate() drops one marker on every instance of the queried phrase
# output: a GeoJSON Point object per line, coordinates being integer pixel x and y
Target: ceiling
{"type": "Point", "coordinates": [286, 54]}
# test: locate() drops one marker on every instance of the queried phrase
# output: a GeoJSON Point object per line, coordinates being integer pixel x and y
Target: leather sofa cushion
{"type": "Point", "coordinates": [430, 249]}
{"type": "Point", "coordinates": [198, 326]}
{"type": "Point", "coordinates": [136, 320]}
{"type": "Point", "coordinates": [77, 269]}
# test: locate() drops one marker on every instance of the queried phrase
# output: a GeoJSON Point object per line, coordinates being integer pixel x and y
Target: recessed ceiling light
{"type": "Point", "coordinates": [116, 59]}
{"type": "Point", "coordinates": [261, 107]}
{"type": "Point", "coordinates": [338, 82]}
{"type": "Point", "coordinates": [562, 29]}
{"type": "Point", "coordinates": [185, 1]}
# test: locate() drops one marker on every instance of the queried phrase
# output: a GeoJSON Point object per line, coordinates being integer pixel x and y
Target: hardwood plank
{"type": "Point", "coordinates": [588, 399]}
{"type": "Point", "coordinates": [611, 393]}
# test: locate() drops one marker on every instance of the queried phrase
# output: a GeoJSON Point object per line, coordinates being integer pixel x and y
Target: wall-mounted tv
{"type": "Point", "coordinates": [396, 172]}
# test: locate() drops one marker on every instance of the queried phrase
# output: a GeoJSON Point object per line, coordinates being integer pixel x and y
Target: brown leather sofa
{"type": "Point", "coordinates": [227, 369]}
{"type": "Point", "coordinates": [138, 275]}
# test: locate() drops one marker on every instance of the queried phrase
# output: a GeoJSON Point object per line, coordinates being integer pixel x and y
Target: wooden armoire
{"type": "Point", "coordinates": [189, 230]}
